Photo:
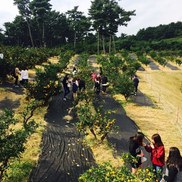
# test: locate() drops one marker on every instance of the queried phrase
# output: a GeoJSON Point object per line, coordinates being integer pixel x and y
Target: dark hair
{"type": "Point", "coordinates": [138, 138]}
{"type": "Point", "coordinates": [174, 158]}
{"type": "Point", "coordinates": [157, 139]}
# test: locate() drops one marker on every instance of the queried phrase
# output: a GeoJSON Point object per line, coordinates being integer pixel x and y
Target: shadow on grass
{"type": "Point", "coordinates": [9, 104]}
{"type": "Point", "coordinates": [126, 127]}
{"type": "Point", "coordinates": [11, 88]}
{"type": "Point", "coordinates": [142, 99]}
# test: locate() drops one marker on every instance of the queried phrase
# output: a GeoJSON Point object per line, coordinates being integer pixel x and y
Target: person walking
{"type": "Point", "coordinates": [97, 85]}
{"type": "Point", "coordinates": [93, 75]}
{"type": "Point", "coordinates": [74, 88]}
{"type": "Point", "coordinates": [135, 83]}
{"type": "Point", "coordinates": [26, 76]}
{"type": "Point", "coordinates": [74, 71]}
{"type": "Point", "coordinates": [104, 81]}
{"type": "Point", "coordinates": [156, 148]}
{"type": "Point", "coordinates": [81, 84]}
{"type": "Point", "coordinates": [65, 86]}
{"type": "Point", "coordinates": [173, 166]}
{"type": "Point", "coordinates": [16, 75]}
{"type": "Point", "coordinates": [135, 144]}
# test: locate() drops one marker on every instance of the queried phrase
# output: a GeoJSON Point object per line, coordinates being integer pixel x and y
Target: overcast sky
{"type": "Point", "coordinates": [149, 13]}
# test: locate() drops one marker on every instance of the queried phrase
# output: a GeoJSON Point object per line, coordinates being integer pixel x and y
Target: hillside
{"type": "Point", "coordinates": [162, 88]}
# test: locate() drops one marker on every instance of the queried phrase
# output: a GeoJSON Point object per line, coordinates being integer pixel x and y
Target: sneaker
{"type": "Point", "coordinates": [64, 99]}
{"type": "Point", "coordinates": [17, 86]}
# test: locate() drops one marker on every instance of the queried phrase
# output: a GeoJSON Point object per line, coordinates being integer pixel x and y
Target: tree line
{"type": "Point", "coordinates": [160, 32]}
{"type": "Point", "coordinates": [37, 25]}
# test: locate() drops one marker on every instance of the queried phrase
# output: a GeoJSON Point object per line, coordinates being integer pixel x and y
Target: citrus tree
{"type": "Point", "coordinates": [99, 124]}
{"type": "Point", "coordinates": [106, 172]}
{"type": "Point", "coordinates": [13, 135]}
{"type": "Point", "coordinates": [46, 83]}
{"type": "Point", "coordinates": [124, 86]}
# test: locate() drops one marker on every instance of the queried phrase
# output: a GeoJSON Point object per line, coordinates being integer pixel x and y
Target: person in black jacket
{"type": "Point", "coordinates": [104, 81]}
{"type": "Point", "coordinates": [173, 166]}
{"type": "Point", "coordinates": [135, 144]}
{"type": "Point", "coordinates": [135, 83]}
{"type": "Point", "coordinates": [65, 86]}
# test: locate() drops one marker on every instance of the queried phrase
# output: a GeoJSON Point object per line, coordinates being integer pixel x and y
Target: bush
{"type": "Point", "coordinates": [107, 173]}
{"type": "Point", "coordinates": [124, 85]}
{"type": "Point", "coordinates": [12, 138]}
{"type": "Point", "coordinates": [18, 171]}
{"type": "Point", "coordinates": [98, 124]}
{"type": "Point", "coordinates": [45, 84]}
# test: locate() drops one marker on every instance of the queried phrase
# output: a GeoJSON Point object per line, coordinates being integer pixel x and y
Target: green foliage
{"type": "Point", "coordinates": [12, 138]}
{"type": "Point", "coordinates": [45, 84]}
{"type": "Point", "coordinates": [99, 124]}
{"type": "Point", "coordinates": [157, 33]}
{"type": "Point", "coordinates": [78, 24]}
{"type": "Point", "coordinates": [65, 56]}
{"type": "Point", "coordinates": [153, 54]}
{"type": "Point", "coordinates": [107, 173]}
{"type": "Point", "coordinates": [111, 65]}
{"type": "Point", "coordinates": [157, 57]}
{"type": "Point", "coordinates": [161, 61]}
{"type": "Point", "coordinates": [144, 60]}
{"type": "Point", "coordinates": [178, 62]}
{"type": "Point", "coordinates": [124, 85]}
{"type": "Point", "coordinates": [23, 58]}
{"type": "Point", "coordinates": [18, 171]}
{"type": "Point", "coordinates": [128, 158]}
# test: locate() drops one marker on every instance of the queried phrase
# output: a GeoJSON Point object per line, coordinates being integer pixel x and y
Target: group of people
{"type": "Point", "coordinates": [100, 82]}
{"type": "Point", "coordinates": [21, 77]}
{"type": "Point", "coordinates": [173, 164]}
{"type": "Point", "coordinates": [72, 84]}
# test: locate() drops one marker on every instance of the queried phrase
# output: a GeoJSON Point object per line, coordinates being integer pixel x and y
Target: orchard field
{"type": "Point", "coordinates": [155, 109]}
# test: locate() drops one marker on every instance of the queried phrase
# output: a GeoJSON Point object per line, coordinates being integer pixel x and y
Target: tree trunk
{"type": "Point", "coordinates": [92, 131]}
{"type": "Point", "coordinates": [104, 136]}
{"type": "Point", "coordinates": [114, 46]}
{"type": "Point", "coordinates": [75, 40]}
{"type": "Point", "coordinates": [98, 43]}
{"type": "Point", "coordinates": [103, 44]}
{"type": "Point", "coordinates": [110, 41]}
{"type": "Point", "coordinates": [3, 168]}
{"type": "Point", "coordinates": [30, 33]}
{"type": "Point", "coordinates": [43, 35]}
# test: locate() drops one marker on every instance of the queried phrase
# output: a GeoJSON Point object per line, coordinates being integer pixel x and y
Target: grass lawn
{"type": "Point", "coordinates": [164, 89]}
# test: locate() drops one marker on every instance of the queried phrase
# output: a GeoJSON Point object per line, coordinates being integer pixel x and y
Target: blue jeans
{"type": "Point", "coordinates": [158, 171]}
{"type": "Point", "coordinates": [66, 91]}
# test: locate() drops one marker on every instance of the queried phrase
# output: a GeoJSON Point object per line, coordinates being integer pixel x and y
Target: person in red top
{"type": "Point", "coordinates": [156, 148]}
